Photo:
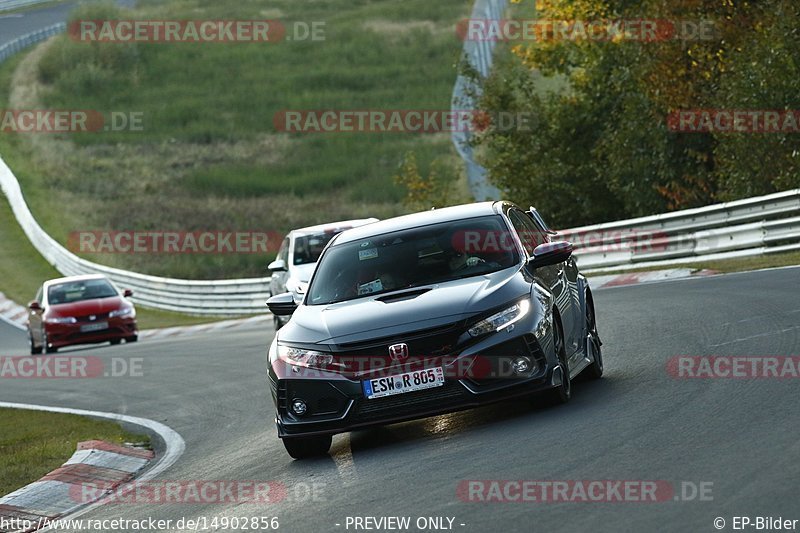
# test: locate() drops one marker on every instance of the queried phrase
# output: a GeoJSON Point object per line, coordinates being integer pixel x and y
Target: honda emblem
{"type": "Point", "coordinates": [398, 352]}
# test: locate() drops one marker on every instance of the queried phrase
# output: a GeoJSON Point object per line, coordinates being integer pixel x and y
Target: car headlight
{"type": "Point", "coordinates": [303, 357]}
{"type": "Point", "coordinates": [123, 312]}
{"type": "Point", "coordinates": [501, 320]}
{"type": "Point", "coordinates": [61, 320]}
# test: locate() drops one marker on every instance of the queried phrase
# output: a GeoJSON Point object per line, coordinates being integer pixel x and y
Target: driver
{"type": "Point", "coordinates": [460, 261]}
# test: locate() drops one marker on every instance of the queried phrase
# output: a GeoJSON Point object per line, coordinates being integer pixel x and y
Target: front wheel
{"type": "Point", "coordinates": [34, 349]}
{"type": "Point", "coordinates": [563, 392]}
{"type": "Point", "coordinates": [132, 338]}
{"type": "Point", "coordinates": [47, 347]}
{"type": "Point", "coordinates": [593, 344]}
{"type": "Point", "coordinates": [305, 447]}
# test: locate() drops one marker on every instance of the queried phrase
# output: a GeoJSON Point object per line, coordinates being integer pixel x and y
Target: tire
{"type": "Point", "coordinates": [114, 342]}
{"type": "Point", "coordinates": [595, 370]}
{"type": "Point", "coordinates": [34, 350]}
{"type": "Point", "coordinates": [132, 338]}
{"type": "Point", "coordinates": [305, 447]}
{"type": "Point", "coordinates": [562, 393]}
{"type": "Point", "coordinates": [47, 349]}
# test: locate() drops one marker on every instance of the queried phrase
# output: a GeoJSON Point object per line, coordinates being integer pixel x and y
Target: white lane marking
{"type": "Point", "coordinates": [172, 440]}
{"type": "Point", "coordinates": [766, 334]}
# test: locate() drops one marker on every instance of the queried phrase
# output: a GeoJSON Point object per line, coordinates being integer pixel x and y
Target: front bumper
{"type": "Point", "coordinates": [479, 375]}
{"type": "Point", "coordinates": [61, 335]}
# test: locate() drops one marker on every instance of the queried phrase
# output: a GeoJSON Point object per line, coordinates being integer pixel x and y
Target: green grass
{"type": "Point", "coordinates": [34, 443]}
{"type": "Point", "coordinates": [209, 156]}
{"type": "Point", "coordinates": [148, 318]}
{"type": "Point", "coordinates": [742, 264]}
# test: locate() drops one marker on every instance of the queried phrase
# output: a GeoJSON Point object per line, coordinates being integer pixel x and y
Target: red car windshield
{"type": "Point", "coordinates": [76, 291]}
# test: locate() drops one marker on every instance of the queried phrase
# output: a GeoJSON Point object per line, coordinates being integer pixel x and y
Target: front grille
{"type": "Point", "coordinates": [97, 317]}
{"type": "Point", "coordinates": [283, 396]}
{"type": "Point", "coordinates": [422, 344]}
{"type": "Point", "coordinates": [451, 394]}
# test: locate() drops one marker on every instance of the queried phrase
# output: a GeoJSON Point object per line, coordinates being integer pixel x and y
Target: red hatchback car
{"type": "Point", "coordinates": [80, 310]}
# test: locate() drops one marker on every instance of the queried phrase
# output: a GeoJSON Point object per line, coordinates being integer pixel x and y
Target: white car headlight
{"type": "Point", "coordinates": [123, 312]}
{"type": "Point", "coordinates": [303, 357]}
{"type": "Point", "coordinates": [61, 320]}
{"type": "Point", "coordinates": [501, 320]}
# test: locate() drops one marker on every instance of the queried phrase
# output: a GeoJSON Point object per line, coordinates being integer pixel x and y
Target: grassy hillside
{"type": "Point", "coordinates": [209, 156]}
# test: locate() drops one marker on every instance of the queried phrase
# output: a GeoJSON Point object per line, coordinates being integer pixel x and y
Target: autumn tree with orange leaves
{"type": "Point", "coordinates": [602, 148]}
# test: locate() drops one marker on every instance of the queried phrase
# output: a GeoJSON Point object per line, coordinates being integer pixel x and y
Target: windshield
{"type": "Point", "coordinates": [411, 258]}
{"type": "Point", "coordinates": [307, 248]}
{"type": "Point", "coordinates": [75, 291]}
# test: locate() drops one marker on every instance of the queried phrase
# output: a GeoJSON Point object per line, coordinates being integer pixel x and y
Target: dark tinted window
{"type": "Point", "coordinates": [307, 248]}
{"type": "Point", "coordinates": [75, 291]}
{"type": "Point", "coordinates": [412, 258]}
{"type": "Point", "coordinates": [529, 233]}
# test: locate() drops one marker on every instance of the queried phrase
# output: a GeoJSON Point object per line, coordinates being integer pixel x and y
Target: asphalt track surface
{"type": "Point", "coordinates": [638, 423]}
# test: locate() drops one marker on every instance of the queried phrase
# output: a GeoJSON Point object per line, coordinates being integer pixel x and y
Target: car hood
{"type": "Point", "coordinates": [86, 307]}
{"type": "Point", "coordinates": [378, 316]}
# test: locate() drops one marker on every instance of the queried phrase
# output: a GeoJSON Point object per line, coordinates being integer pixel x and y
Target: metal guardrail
{"type": "Point", "coordinates": [8, 5]}
{"type": "Point", "coordinates": [750, 224]}
{"type": "Point", "coordinates": [479, 54]}
{"type": "Point", "coordinates": [12, 47]}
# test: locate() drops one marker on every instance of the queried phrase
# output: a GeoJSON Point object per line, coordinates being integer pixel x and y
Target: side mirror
{"type": "Point", "coordinates": [279, 265]}
{"type": "Point", "coordinates": [127, 293]}
{"type": "Point", "coordinates": [34, 306]}
{"type": "Point", "coordinates": [282, 304]}
{"type": "Point", "coordinates": [550, 253]}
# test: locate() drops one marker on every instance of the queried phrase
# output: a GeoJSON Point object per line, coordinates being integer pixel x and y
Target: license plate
{"type": "Point", "coordinates": [97, 326]}
{"type": "Point", "coordinates": [402, 383]}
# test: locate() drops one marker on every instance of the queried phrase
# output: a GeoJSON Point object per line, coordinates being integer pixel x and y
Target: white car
{"type": "Point", "coordinates": [298, 255]}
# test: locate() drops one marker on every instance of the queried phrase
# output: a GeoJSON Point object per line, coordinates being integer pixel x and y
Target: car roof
{"type": "Point", "coordinates": [68, 279]}
{"type": "Point", "coordinates": [423, 218]}
{"type": "Point", "coordinates": [332, 226]}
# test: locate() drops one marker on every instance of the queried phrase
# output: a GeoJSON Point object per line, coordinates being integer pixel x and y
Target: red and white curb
{"type": "Point", "coordinates": [12, 313]}
{"type": "Point", "coordinates": [634, 278]}
{"type": "Point", "coordinates": [60, 493]}
{"type": "Point", "coordinates": [105, 463]}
